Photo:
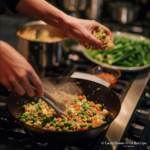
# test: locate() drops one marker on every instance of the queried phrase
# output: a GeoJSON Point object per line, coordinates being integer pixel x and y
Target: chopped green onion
{"type": "Point", "coordinates": [86, 116]}
{"type": "Point", "coordinates": [100, 28]}
{"type": "Point", "coordinates": [85, 109]}
{"type": "Point", "coordinates": [91, 105]}
{"type": "Point", "coordinates": [97, 33]}
{"type": "Point", "coordinates": [69, 123]}
{"type": "Point", "coordinates": [83, 125]}
{"type": "Point", "coordinates": [28, 115]}
{"type": "Point", "coordinates": [39, 106]}
{"type": "Point", "coordinates": [71, 127]}
{"type": "Point", "coordinates": [88, 102]}
{"type": "Point", "coordinates": [78, 113]}
{"type": "Point", "coordinates": [105, 122]}
{"type": "Point", "coordinates": [74, 130]}
{"type": "Point", "coordinates": [22, 116]}
{"type": "Point", "coordinates": [102, 31]}
{"type": "Point", "coordinates": [53, 120]}
{"type": "Point", "coordinates": [66, 123]}
{"type": "Point", "coordinates": [33, 103]}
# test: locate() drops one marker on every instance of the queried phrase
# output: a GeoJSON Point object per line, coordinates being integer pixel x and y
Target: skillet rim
{"type": "Point", "coordinates": [67, 132]}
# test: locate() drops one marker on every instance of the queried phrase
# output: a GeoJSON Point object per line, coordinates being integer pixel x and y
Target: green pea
{"type": "Point", "coordinates": [63, 120]}
{"type": "Point", "coordinates": [23, 120]}
{"type": "Point", "coordinates": [97, 33]}
{"type": "Point", "coordinates": [78, 113]}
{"type": "Point", "coordinates": [43, 124]}
{"type": "Point", "coordinates": [85, 109]}
{"type": "Point", "coordinates": [23, 114]}
{"type": "Point", "coordinates": [105, 122]}
{"type": "Point", "coordinates": [104, 118]}
{"type": "Point", "coordinates": [33, 103]}
{"type": "Point", "coordinates": [94, 113]}
{"type": "Point", "coordinates": [100, 106]}
{"type": "Point", "coordinates": [69, 123]}
{"type": "Point", "coordinates": [28, 115]}
{"type": "Point", "coordinates": [32, 118]}
{"type": "Point", "coordinates": [102, 31]}
{"type": "Point", "coordinates": [104, 36]}
{"type": "Point", "coordinates": [84, 103]}
{"type": "Point", "coordinates": [39, 106]}
{"type": "Point", "coordinates": [71, 127]}
{"type": "Point", "coordinates": [100, 28]}
{"type": "Point", "coordinates": [88, 102]}
{"type": "Point", "coordinates": [26, 119]}
{"type": "Point", "coordinates": [48, 119]}
{"type": "Point", "coordinates": [39, 113]}
{"type": "Point", "coordinates": [88, 107]}
{"type": "Point", "coordinates": [57, 128]}
{"type": "Point", "coordinates": [74, 130]}
{"type": "Point", "coordinates": [83, 106]}
{"type": "Point", "coordinates": [66, 123]}
{"type": "Point", "coordinates": [90, 125]}
{"type": "Point", "coordinates": [86, 116]}
{"type": "Point", "coordinates": [69, 112]}
{"type": "Point", "coordinates": [52, 123]}
{"type": "Point", "coordinates": [91, 105]}
{"type": "Point", "coordinates": [82, 117]}
{"type": "Point", "coordinates": [81, 125]}
{"type": "Point", "coordinates": [64, 129]}
{"type": "Point", "coordinates": [23, 106]}
{"type": "Point", "coordinates": [74, 119]}
{"type": "Point", "coordinates": [35, 119]}
{"type": "Point", "coordinates": [88, 120]}
{"type": "Point", "coordinates": [82, 112]}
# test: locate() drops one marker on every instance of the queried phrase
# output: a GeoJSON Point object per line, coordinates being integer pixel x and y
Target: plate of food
{"type": "Point", "coordinates": [132, 53]}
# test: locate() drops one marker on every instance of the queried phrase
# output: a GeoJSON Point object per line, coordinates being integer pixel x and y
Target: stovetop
{"type": "Point", "coordinates": [129, 88]}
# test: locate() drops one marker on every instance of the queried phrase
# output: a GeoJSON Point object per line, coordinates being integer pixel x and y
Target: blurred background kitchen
{"type": "Point", "coordinates": [118, 15]}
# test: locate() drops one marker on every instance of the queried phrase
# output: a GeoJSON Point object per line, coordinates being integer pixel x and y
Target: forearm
{"type": "Point", "coordinates": [42, 10]}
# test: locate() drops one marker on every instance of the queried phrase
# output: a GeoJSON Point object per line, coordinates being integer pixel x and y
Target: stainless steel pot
{"type": "Point", "coordinates": [43, 54]}
{"type": "Point", "coordinates": [123, 12]}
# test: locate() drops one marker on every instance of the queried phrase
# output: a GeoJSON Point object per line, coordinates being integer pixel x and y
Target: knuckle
{"type": "Point", "coordinates": [11, 79]}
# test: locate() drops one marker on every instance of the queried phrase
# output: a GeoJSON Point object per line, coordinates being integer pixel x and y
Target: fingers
{"type": "Point", "coordinates": [35, 80]}
{"type": "Point", "coordinates": [97, 43]}
{"type": "Point", "coordinates": [27, 87]}
{"type": "Point", "coordinates": [17, 87]}
{"type": "Point", "coordinates": [108, 32]}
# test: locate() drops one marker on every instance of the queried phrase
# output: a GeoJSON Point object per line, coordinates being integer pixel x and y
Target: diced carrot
{"type": "Point", "coordinates": [80, 97]}
{"type": "Point", "coordinates": [91, 103]}
{"type": "Point", "coordinates": [84, 128]}
{"type": "Point", "coordinates": [26, 108]}
{"type": "Point", "coordinates": [76, 107]}
{"type": "Point", "coordinates": [82, 120]}
{"type": "Point", "coordinates": [65, 100]}
{"type": "Point", "coordinates": [95, 122]}
{"type": "Point", "coordinates": [58, 91]}
{"type": "Point", "coordinates": [97, 107]}
{"type": "Point", "coordinates": [47, 128]}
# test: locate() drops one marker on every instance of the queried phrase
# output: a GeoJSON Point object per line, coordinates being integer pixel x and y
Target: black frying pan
{"type": "Point", "coordinates": [94, 92]}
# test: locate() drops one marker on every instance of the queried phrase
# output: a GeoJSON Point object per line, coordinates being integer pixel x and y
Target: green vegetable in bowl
{"type": "Point", "coordinates": [128, 53]}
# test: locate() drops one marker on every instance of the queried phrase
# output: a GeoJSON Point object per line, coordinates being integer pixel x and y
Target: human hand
{"type": "Point", "coordinates": [81, 30]}
{"type": "Point", "coordinates": [16, 73]}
